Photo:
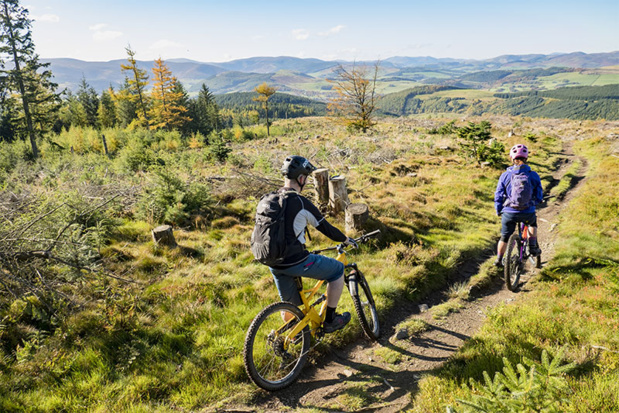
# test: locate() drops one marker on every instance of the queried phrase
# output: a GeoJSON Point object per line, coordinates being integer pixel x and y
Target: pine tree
{"type": "Point", "coordinates": [125, 104]}
{"type": "Point", "coordinates": [187, 127]}
{"type": "Point", "coordinates": [137, 82]}
{"type": "Point", "coordinates": [205, 112]}
{"type": "Point", "coordinates": [167, 110]}
{"type": "Point", "coordinates": [8, 111]}
{"type": "Point", "coordinates": [28, 77]}
{"type": "Point", "coordinates": [87, 97]}
{"type": "Point", "coordinates": [107, 110]}
{"type": "Point", "coordinates": [74, 113]}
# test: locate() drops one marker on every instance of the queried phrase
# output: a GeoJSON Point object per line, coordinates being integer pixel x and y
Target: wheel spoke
{"type": "Point", "coordinates": [271, 359]}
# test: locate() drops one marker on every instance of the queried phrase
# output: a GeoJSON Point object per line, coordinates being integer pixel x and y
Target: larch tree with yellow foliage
{"type": "Point", "coordinates": [167, 110]}
{"type": "Point", "coordinates": [264, 93]}
{"type": "Point", "coordinates": [137, 82]}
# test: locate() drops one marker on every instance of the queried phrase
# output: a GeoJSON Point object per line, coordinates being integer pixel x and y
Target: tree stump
{"type": "Point", "coordinates": [338, 195]}
{"type": "Point", "coordinates": [356, 216]}
{"type": "Point", "coordinates": [163, 235]}
{"type": "Point", "coordinates": [321, 179]}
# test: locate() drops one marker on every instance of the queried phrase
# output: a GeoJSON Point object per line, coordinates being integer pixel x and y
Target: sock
{"type": "Point", "coordinates": [532, 241]}
{"type": "Point", "coordinates": [499, 257]}
{"type": "Point", "coordinates": [330, 314]}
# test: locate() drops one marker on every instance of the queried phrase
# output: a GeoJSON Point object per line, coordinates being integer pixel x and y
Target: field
{"type": "Point", "coordinates": [165, 333]}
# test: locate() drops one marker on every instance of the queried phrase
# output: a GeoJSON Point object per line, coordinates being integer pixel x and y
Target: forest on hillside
{"type": "Point", "coordinates": [583, 102]}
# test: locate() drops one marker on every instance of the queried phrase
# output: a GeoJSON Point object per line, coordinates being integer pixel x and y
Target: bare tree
{"type": "Point", "coordinates": [355, 95]}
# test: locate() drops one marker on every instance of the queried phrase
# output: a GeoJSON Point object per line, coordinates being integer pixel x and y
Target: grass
{"type": "Point", "coordinates": [173, 339]}
{"type": "Point", "coordinates": [572, 307]}
{"type": "Point", "coordinates": [568, 180]}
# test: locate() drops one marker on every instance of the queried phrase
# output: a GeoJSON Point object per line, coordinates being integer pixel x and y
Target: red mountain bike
{"type": "Point", "coordinates": [517, 255]}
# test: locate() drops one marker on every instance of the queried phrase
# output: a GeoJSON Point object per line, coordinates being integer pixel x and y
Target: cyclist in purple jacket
{"type": "Point", "coordinates": [518, 192]}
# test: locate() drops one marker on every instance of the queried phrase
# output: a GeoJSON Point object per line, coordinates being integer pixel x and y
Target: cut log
{"type": "Point", "coordinates": [356, 216]}
{"type": "Point", "coordinates": [321, 180]}
{"type": "Point", "coordinates": [338, 195]}
{"type": "Point", "coordinates": [163, 235]}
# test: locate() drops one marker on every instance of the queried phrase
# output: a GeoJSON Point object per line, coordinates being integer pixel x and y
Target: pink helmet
{"type": "Point", "coordinates": [519, 151]}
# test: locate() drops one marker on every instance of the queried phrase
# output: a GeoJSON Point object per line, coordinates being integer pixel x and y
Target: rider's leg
{"type": "Point", "coordinates": [508, 226]}
{"type": "Point", "coordinates": [334, 291]}
{"type": "Point", "coordinates": [500, 250]}
{"type": "Point", "coordinates": [532, 226]}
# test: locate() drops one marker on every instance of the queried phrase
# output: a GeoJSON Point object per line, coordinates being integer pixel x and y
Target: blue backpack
{"type": "Point", "coordinates": [521, 191]}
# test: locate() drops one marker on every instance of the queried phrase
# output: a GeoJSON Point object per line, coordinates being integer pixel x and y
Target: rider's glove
{"type": "Point", "coordinates": [351, 243]}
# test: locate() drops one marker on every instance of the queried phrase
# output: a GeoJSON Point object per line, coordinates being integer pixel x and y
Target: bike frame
{"type": "Point", "coordinates": [313, 318]}
{"type": "Point", "coordinates": [523, 232]}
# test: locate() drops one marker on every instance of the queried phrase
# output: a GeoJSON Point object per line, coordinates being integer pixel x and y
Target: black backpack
{"type": "Point", "coordinates": [268, 241]}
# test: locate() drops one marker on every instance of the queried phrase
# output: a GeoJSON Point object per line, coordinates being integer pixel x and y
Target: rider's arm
{"type": "Point", "coordinates": [500, 193]}
{"type": "Point", "coordinates": [538, 191]}
{"type": "Point", "coordinates": [322, 224]}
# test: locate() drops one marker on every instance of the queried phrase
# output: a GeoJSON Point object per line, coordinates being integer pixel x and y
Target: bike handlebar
{"type": "Point", "coordinates": [362, 238]}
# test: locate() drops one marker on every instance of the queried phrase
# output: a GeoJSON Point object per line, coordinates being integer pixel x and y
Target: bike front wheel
{"type": "Point", "coordinates": [365, 307]}
{"type": "Point", "coordinates": [272, 359]}
{"type": "Point", "coordinates": [513, 262]}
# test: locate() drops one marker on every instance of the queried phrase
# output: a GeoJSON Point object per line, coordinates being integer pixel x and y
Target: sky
{"type": "Point", "coordinates": [224, 30]}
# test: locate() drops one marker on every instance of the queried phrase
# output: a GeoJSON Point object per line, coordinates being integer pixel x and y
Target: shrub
{"type": "Point", "coordinates": [169, 200]}
{"type": "Point", "coordinates": [474, 138]}
{"type": "Point", "coordinates": [135, 157]}
{"type": "Point", "coordinates": [540, 388]}
{"type": "Point", "coordinates": [217, 150]}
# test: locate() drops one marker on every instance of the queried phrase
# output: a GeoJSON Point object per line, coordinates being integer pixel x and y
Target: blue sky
{"type": "Point", "coordinates": [217, 31]}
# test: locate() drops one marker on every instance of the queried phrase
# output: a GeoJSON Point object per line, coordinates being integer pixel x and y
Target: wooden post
{"type": "Point", "coordinates": [163, 235]}
{"type": "Point", "coordinates": [338, 195]}
{"type": "Point", "coordinates": [321, 181]}
{"type": "Point", "coordinates": [356, 216]}
{"type": "Point", "coordinates": [104, 144]}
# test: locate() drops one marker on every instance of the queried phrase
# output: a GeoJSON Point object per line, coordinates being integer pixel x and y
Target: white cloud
{"type": "Point", "coordinates": [332, 31]}
{"type": "Point", "coordinates": [300, 34]}
{"type": "Point", "coordinates": [97, 27]}
{"type": "Point", "coordinates": [49, 18]}
{"type": "Point", "coordinates": [165, 44]}
{"type": "Point", "coordinates": [102, 35]}
{"type": "Point", "coordinates": [107, 35]}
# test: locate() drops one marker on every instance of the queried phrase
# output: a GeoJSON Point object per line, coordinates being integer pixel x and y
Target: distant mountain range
{"type": "Point", "coordinates": [307, 77]}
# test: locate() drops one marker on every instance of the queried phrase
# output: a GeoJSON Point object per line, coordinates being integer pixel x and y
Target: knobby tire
{"type": "Point", "coordinates": [513, 264]}
{"type": "Point", "coordinates": [268, 362]}
{"type": "Point", "coordinates": [365, 307]}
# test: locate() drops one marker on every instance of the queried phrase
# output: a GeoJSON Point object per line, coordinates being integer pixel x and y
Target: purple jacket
{"type": "Point", "coordinates": [504, 188]}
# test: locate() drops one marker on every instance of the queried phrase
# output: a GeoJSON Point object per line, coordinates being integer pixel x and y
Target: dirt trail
{"type": "Point", "coordinates": [390, 385]}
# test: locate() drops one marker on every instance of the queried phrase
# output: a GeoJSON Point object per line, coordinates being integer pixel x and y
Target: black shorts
{"type": "Point", "coordinates": [509, 220]}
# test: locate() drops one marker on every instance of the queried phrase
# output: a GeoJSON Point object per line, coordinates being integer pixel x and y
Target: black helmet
{"type": "Point", "coordinates": [294, 166]}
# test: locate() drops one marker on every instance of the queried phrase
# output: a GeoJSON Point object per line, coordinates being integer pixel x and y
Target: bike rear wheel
{"type": "Point", "coordinates": [365, 307]}
{"type": "Point", "coordinates": [273, 360]}
{"type": "Point", "coordinates": [513, 263]}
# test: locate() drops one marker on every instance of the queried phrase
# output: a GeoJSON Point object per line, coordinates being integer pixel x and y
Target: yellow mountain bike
{"type": "Point", "coordinates": [279, 337]}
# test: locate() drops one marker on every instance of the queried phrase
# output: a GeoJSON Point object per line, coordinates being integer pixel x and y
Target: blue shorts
{"type": "Point", "coordinates": [314, 266]}
{"type": "Point", "coordinates": [509, 220]}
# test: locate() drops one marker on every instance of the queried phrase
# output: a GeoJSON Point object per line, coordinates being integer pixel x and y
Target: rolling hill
{"type": "Point", "coordinates": [307, 76]}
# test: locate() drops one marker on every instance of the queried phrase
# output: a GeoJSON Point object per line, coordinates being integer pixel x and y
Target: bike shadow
{"type": "Point", "coordinates": [385, 381]}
